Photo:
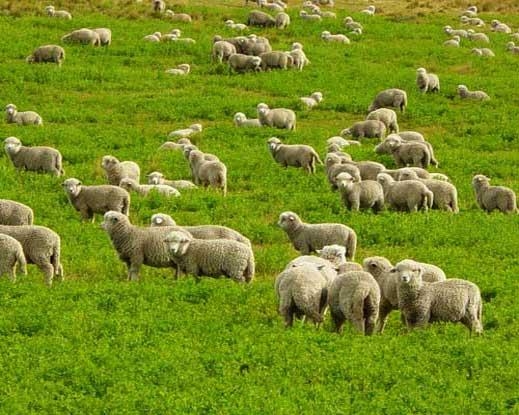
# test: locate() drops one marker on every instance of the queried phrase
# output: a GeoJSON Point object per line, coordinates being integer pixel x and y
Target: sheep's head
{"type": "Point", "coordinates": [195, 156]}
{"type": "Point", "coordinates": [188, 149]}
{"type": "Point", "coordinates": [128, 184]}
{"type": "Point", "coordinates": [176, 32]}
{"type": "Point", "coordinates": [421, 71]}
{"type": "Point", "coordinates": [331, 160]}
{"type": "Point", "coordinates": [161, 219]}
{"type": "Point", "coordinates": [72, 186]}
{"type": "Point", "coordinates": [186, 68]}
{"type": "Point", "coordinates": [177, 242]}
{"type": "Point", "coordinates": [480, 180]}
{"type": "Point", "coordinates": [477, 51]}
{"type": "Point", "coordinates": [12, 145]}
{"type": "Point", "coordinates": [262, 108]}
{"type": "Point", "coordinates": [155, 177]}
{"type": "Point", "coordinates": [376, 265]}
{"type": "Point", "coordinates": [326, 34]}
{"type": "Point", "coordinates": [344, 180]}
{"type": "Point", "coordinates": [195, 127]}
{"type": "Point", "coordinates": [318, 96]}
{"type": "Point", "coordinates": [462, 89]}
{"type": "Point", "coordinates": [406, 174]}
{"type": "Point", "coordinates": [11, 109]}
{"type": "Point", "coordinates": [394, 141]}
{"type": "Point", "coordinates": [510, 45]}
{"type": "Point", "coordinates": [239, 118]}
{"type": "Point", "coordinates": [109, 162]}
{"type": "Point", "coordinates": [336, 254]}
{"type": "Point", "coordinates": [50, 10]}
{"type": "Point", "coordinates": [274, 143]}
{"type": "Point", "coordinates": [384, 179]}
{"type": "Point", "coordinates": [288, 220]}
{"type": "Point", "coordinates": [348, 19]}
{"type": "Point", "coordinates": [113, 219]}
{"type": "Point", "coordinates": [346, 131]}
{"type": "Point", "coordinates": [383, 147]}
{"type": "Point", "coordinates": [409, 272]}
{"type": "Point", "coordinates": [297, 45]}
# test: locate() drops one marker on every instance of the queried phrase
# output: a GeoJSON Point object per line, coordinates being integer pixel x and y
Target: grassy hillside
{"type": "Point", "coordinates": [98, 344]}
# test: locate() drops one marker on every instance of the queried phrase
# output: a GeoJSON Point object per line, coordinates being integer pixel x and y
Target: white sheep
{"type": "Point", "coordinates": [178, 145]}
{"type": "Point", "coordinates": [182, 69]}
{"type": "Point", "coordinates": [350, 24]}
{"type": "Point", "coordinates": [105, 35]}
{"type": "Point", "coordinates": [13, 116]}
{"type": "Point", "coordinates": [208, 172]}
{"type": "Point", "coordinates": [261, 19]}
{"type": "Point", "coordinates": [341, 142]}
{"type": "Point", "coordinates": [412, 153]}
{"type": "Point", "coordinates": [471, 11]}
{"type": "Point", "coordinates": [275, 60]}
{"type": "Point", "coordinates": [11, 254]}
{"type": "Point", "coordinates": [276, 117]}
{"type": "Point", "coordinates": [116, 170]}
{"type": "Point", "coordinates": [154, 37]}
{"type": "Point", "coordinates": [298, 56]}
{"type": "Point", "coordinates": [366, 129]}
{"type": "Point", "coordinates": [186, 132]}
{"type": "Point", "coordinates": [15, 213]}
{"type": "Point", "coordinates": [427, 81]}
{"type": "Point", "coordinates": [490, 198]}
{"type": "Point", "coordinates": [83, 36]}
{"type": "Point", "coordinates": [313, 100]}
{"type": "Point", "coordinates": [387, 116]}
{"type": "Point", "coordinates": [497, 26]}
{"type": "Point", "coordinates": [158, 6]}
{"type": "Point", "coordinates": [148, 189]}
{"type": "Point", "coordinates": [178, 17]}
{"type": "Point", "coordinates": [157, 177]}
{"type": "Point", "coordinates": [282, 20]}
{"type": "Point", "coordinates": [370, 10]}
{"type": "Point", "coordinates": [477, 37]}
{"type": "Point", "coordinates": [222, 50]}
{"type": "Point", "coordinates": [271, 6]}
{"type": "Point", "coordinates": [474, 21]}
{"type": "Point", "coordinates": [464, 93]}
{"type": "Point", "coordinates": [392, 97]}
{"type": "Point", "coordinates": [241, 120]}
{"type": "Point", "coordinates": [453, 42]}
{"type": "Point", "coordinates": [309, 17]}
{"type": "Point", "coordinates": [63, 14]}
{"type": "Point", "coordinates": [484, 52]}
{"type": "Point", "coordinates": [455, 32]}
{"type": "Point", "coordinates": [511, 47]}
{"type": "Point", "coordinates": [236, 26]}
{"type": "Point", "coordinates": [339, 38]}
{"type": "Point", "coordinates": [37, 158]}
{"type": "Point", "coordinates": [242, 63]}
{"type": "Point", "coordinates": [409, 195]}
{"type": "Point", "coordinates": [366, 194]}
{"type": "Point", "coordinates": [47, 54]}
{"type": "Point", "coordinates": [296, 155]}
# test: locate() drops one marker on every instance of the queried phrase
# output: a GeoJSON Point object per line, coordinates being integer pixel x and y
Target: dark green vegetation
{"type": "Point", "coordinates": [98, 344]}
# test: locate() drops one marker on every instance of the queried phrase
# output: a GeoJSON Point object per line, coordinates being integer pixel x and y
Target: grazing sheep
{"type": "Point", "coordinates": [497, 26]}
{"type": "Point", "coordinates": [275, 59]}
{"type": "Point", "coordinates": [271, 6]}
{"type": "Point", "coordinates": [147, 189]}
{"type": "Point", "coordinates": [158, 6]}
{"type": "Point", "coordinates": [477, 37]}
{"type": "Point", "coordinates": [307, 238]}
{"type": "Point", "coordinates": [298, 56]}
{"type": "Point", "coordinates": [455, 32]}
{"type": "Point", "coordinates": [392, 97]}
{"type": "Point", "coordinates": [211, 257]}
{"type": "Point", "coordinates": [254, 45]}
{"type": "Point", "coordinates": [387, 116]}
{"type": "Point", "coordinates": [261, 19]}
{"type": "Point", "coordinates": [339, 38]}
{"type": "Point", "coordinates": [83, 36]}
{"type": "Point", "coordinates": [453, 42]}
{"type": "Point", "coordinates": [452, 300]}
{"type": "Point", "coordinates": [385, 147]}
{"type": "Point", "coordinates": [427, 82]}
{"type": "Point", "coordinates": [15, 213]}
{"type": "Point", "coordinates": [367, 194]}
{"type": "Point", "coordinates": [370, 10]}
{"type": "Point", "coordinates": [154, 38]}
{"type": "Point", "coordinates": [241, 120]}
{"type": "Point", "coordinates": [464, 93]}
{"type": "Point", "coordinates": [310, 17]}
{"type": "Point", "coordinates": [105, 36]}
{"type": "Point", "coordinates": [11, 253]}
{"type": "Point", "coordinates": [222, 50]}
{"type": "Point", "coordinates": [12, 116]}
{"type": "Point", "coordinates": [178, 17]}
{"type": "Point", "coordinates": [157, 177]}
{"type": "Point", "coordinates": [350, 24]}
{"type": "Point", "coordinates": [116, 170]}
{"type": "Point", "coordinates": [483, 52]}
{"type": "Point", "coordinates": [276, 117]}
{"type": "Point", "coordinates": [236, 26]}
{"type": "Point", "coordinates": [182, 69]}
{"type": "Point", "coordinates": [45, 159]}
{"type": "Point", "coordinates": [413, 153]}
{"type": "Point", "coordinates": [41, 246]}
{"type": "Point", "coordinates": [366, 129]}
{"type": "Point", "coordinates": [179, 145]}
{"type": "Point", "coordinates": [411, 136]}
{"type": "Point", "coordinates": [88, 200]}
{"type": "Point", "coordinates": [409, 195]}
{"type": "Point", "coordinates": [242, 63]}
{"type": "Point", "coordinates": [296, 155]}
{"type": "Point", "coordinates": [62, 14]}
{"type": "Point", "coordinates": [46, 54]}
{"type": "Point", "coordinates": [510, 46]}
{"type": "Point", "coordinates": [208, 172]}
{"type": "Point", "coordinates": [313, 100]}
{"type": "Point", "coordinates": [282, 20]}
{"type": "Point", "coordinates": [490, 197]}
{"type": "Point", "coordinates": [368, 170]}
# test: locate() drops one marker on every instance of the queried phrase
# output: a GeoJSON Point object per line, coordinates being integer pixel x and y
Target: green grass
{"type": "Point", "coordinates": [98, 344]}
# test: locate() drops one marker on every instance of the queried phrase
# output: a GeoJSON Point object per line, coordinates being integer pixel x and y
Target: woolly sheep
{"type": "Point", "coordinates": [282, 20]}
{"type": "Point", "coordinates": [259, 18]}
{"type": "Point", "coordinates": [387, 116]}
{"type": "Point", "coordinates": [366, 129]}
{"type": "Point", "coordinates": [477, 37]}
{"type": "Point", "coordinates": [367, 194]}
{"type": "Point", "coordinates": [11, 253]}
{"type": "Point", "coordinates": [105, 36]}
{"type": "Point", "coordinates": [154, 38]}
{"type": "Point", "coordinates": [296, 155]}
{"type": "Point", "coordinates": [339, 38]}
{"type": "Point", "coordinates": [178, 17]}
{"type": "Point", "coordinates": [515, 35]}
{"type": "Point", "coordinates": [158, 6]}
{"type": "Point", "coordinates": [411, 136]}
{"type": "Point", "coordinates": [236, 26]}
{"type": "Point", "coordinates": [497, 26]}
{"type": "Point", "coordinates": [182, 69]}
{"type": "Point", "coordinates": [335, 164]}
{"type": "Point", "coordinates": [474, 21]}
{"type": "Point", "coordinates": [464, 93]}
{"type": "Point", "coordinates": [452, 300]}
{"type": "Point", "coordinates": [254, 45]}
{"type": "Point", "coordinates": [88, 200]}
{"type": "Point", "coordinates": [222, 50]}
{"type": "Point", "coordinates": [370, 10]}
{"type": "Point", "coordinates": [298, 56]}
{"type": "Point", "coordinates": [490, 197]}
{"type": "Point", "coordinates": [15, 213]}
{"type": "Point", "coordinates": [157, 177]}
{"type": "Point", "coordinates": [387, 146]}
{"type": "Point", "coordinates": [63, 14]}
{"type": "Point", "coordinates": [271, 6]}
{"type": "Point", "coordinates": [83, 36]}
{"type": "Point", "coordinates": [392, 97]}
{"type": "Point", "coordinates": [453, 42]}
{"type": "Point", "coordinates": [455, 32]}
{"type": "Point", "coordinates": [336, 156]}
{"type": "Point", "coordinates": [483, 52]}
{"type": "Point", "coordinates": [310, 17]}
{"type": "Point", "coordinates": [242, 63]}
{"type": "Point", "coordinates": [147, 189]}
{"type": "Point", "coordinates": [276, 117]}
{"type": "Point", "coordinates": [38, 158]}
{"type": "Point", "coordinates": [341, 142]}
{"type": "Point", "coordinates": [510, 46]}
{"type": "Point", "coordinates": [211, 258]}
{"type": "Point", "coordinates": [205, 156]}
{"type": "Point", "coordinates": [350, 24]}
{"type": "Point", "coordinates": [41, 246]}
{"type": "Point", "coordinates": [241, 120]}
{"type": "Point", "coordinates": [409, 195]}
{"type": "Point", "coordinates": [413, 153]}
{"type": "Point", "coordinates": [207, 172]}
{"type": "Point", "coordinates": [116, 170]}
{"type": "Point", "coordinates": [471, 11]}
{"type": "Point", "coordinates": [186, 132]}
{"type": "Point", "coordinates": [46, 54]}
{"type": "Point", "coordinates": [313, 100]}
{"type": "Point", "coordinates": [427, 82]}
{"type": "Point", "coordinates": [307, 238]}
{"type": "Point", "coordinates": [421, 173]}
{"type": "Point", "coordinates": [12, 116]}
{"type": "Point", "coordinates": [275, 59]}
{"type": "Point", "coordinates": [173, 37]}
{"type": "Point", "coordinates": [325, 267]}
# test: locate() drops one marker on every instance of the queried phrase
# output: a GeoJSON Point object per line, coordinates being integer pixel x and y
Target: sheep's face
{"type": "Point", "coordinates": [331, 159]}
{"type": "Point", "coordinates": [155, 178]}
{"type": "Point", "coordinates": [336, 254]}
{"type": "Point", "coordinates": [239, 118]}
{"type": "Point", "coordinates": [177, 243]}
{"type": "Point", "coordinates": [195, 156]}
{"type": "Point", "coordinates": [72, 186]}
{"type": "Point", "coordinates": [393, 142]}
{"type": "Point", "coordinates": [288, 220]}
{"type": "Point", "coordinates": [382, 148]}
{"type": "Point", "coordinates": [344, 180]}
{"type": "Point", "coordinates": [480, 180]}
{"type": "Point", "coordinates": [127, 184]}
{"type": "Point", "coordinates": [10, 109]}
{"type": "Point", "coordinates": [346, 131]}
{"type": "Point", "coordinates": [274, 143]}
{"type": "Point", "coordinates": [409, 272]}
{"type": "Point", "coordinates": [109, 162]}
{"type": "Point", "coordinates": [111, 219]}
{"type": "Point", "coordinates": [318, 96]}
{"type": "Point", "coordinates": [12, 145]}
{"type": "Point", "coordinates": [376, 265]}
{"type": "Point", "coordinates": [161, 219]}
{"type": "Point", "coordinates": [384, 179]}
{"type": "Point", "coordinates": [195, 127]}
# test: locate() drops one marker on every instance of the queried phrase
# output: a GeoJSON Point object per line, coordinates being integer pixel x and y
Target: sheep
{"type": "Point", "coordinates": [497, 26]}
{"type": "Point", "coordinates": [116, 170]}
{"type": "Point", "coordinates": [11, 253]}
{"type": "Point", "coordinates": [310, 17]}
{"type": "Point", "coordinates": [261, 19]}
{"type": "Point", "coordinates": [276, 117]}
{"type": "Point", "coordinates": [335, 155]}
{"type": "Point", "coordinates": [186, 132]}
{"type": "Point", "coordinates": [445, 194]}
{"type": "Point", "coordinates": [484, 52]}
{"type": "Point", "coordinates": [242, 63]}
{"type": "Point", "coordinates": [205, 156]}
{"type": "Point", "coordinates": [409, 195]}
{"type": "Point", "coordinates": [154, 38]}
{"type": "Point", "coordinates": [83, 36]}
{"type": "Point", "coordinates": [207, 172]}
{"type": "Point", "coordinates": [253, 45]}
{"type": "Point", "coordinates": [88, 200]}
{"type": "Point", "coordinates": [105, 36]}
{"type": "Point", "coordinates": [453, 300]}
{"type": "Point", "coordinates": [182, 69]}
{"type": "Point", "coordinates": [411, 136]}
{"type": "Point", "coordinates": [282, 20]}
{"type": "Point", "coordinates": [46, 54]}
{"type": "Point", "coordinates": [464, 93]}
{"type": "Point", "coordinates": [62, 14]}
{"type": "Point", "coordinates": [158, 6]}
{"type": "Point", "coordinates": [137, 246]}
{"type": "Point", "coordinates": [41, 246]}
{"type": "Point", "coordinates": [211, 257]}
{"type": "Point", "coordinates": [368, 170]}
{"type": "Point", "coordinates": [222, 50]}
{"type": "Point", "coordinates": [490, 197]}
{"type": "Point", "coordinates": [336, 164]}
{"type": "Point", "coordinates": [387, 116]}
{"type": "Point", "coordinates": [453, 42]}
{"type": "Point", "coordinates": [370, 10]}
{"type": "Point", "coordinates": [275, 59]}
{"type": "Point", "coordinates": [296, 155]}
{"type": "Point", "coordinates": [455, 32]}
{"type": "Point", "coordinates": [339, 38]}
{"type": "Point", "coordinates": [271, 6]}
{"type": "Point", "coordinates": [350, 24]}
{"type": "Point", "coordinates": [471, 11]}
{"type": "Point", "coordinates": [510, 46]}
{"type": "Point", "coordinates": [392, 97]}
{"type": "Point", "coordinates": [15, 213]}
{"type": "Point", "coordinates": [477, 37]}
{"type": "Point", "coordinates": [515, 36]}
{"type": "Point", "coordinates": [178, 17]}
{"type": "Point", "coordinates": [241, 120]}
{"type": "Point", "coordinates": [336, 255]}
{"type": "Point", "coordinates": [313, 100]}
{"type": "Point", "coordinates": [12, 116]}
{"type": "Point", "coordinates": [307, 238]}
{"type": "Point", "coordinates": [236, 26]}
{"type": "Point", "coordinates": [38, 158]}
{"type": "Point", "coordinates": [173, 37]}
{"type": "Point", "coordinates": [421, 173]}
{"type": "Point", "coordinates": [366, 129]}
{"type": "Point", "coordinates": [147, 189]}
{"type": "Point", "coordinates": [341, 142]}
{"type": "Point", "coordinates": [325, 267]}
{"type": "Point", "coordinates": [157, 177]}
{"type": "Point", "coordinates": [299, 58]}
{"type": "Point", "coordinates": [427, 82]}
{"type": "Point", "coordinates": [178, 145]}
{"type": "Point", "coordinates": [414, 153]}
{"type": "Point", "coordinates": [367, 194]}
{"type": "Point", "coordinates": [474, 21]}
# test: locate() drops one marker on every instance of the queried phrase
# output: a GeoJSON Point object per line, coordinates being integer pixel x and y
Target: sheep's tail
{"type": "Point", "coordinates": [126, 206]}
{"type": "Point", "coordinates": [358, 299]}
{"type": "Point", "coordinates": [351, 246]}
{"type": "Point", "coordinates": [22, 262]}
{"type": "Point", "coordinates": [323, 302]}
{"type": "Point", "coordinates": [55, 260]}
{"type": "Point", "coordinates": [222, 177]}
{"type": "Point", "coordinates": [427, 200]}
{"type": "Point", "coordinates": [317, 158]}
{"type": "Point", "coordinates": [249, 271]}
{"type": "Point", "coordinates": [30, 217]}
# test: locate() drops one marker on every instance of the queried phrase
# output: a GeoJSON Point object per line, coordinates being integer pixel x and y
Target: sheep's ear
{"type": "Point", "coordinates": [291, 217]}
{"type": "Point", "coordinates": [420, 270]}
{"type": "Point", "coordinates": [79, 183]}
{"type": "Point", "coordinates": [114, 219]}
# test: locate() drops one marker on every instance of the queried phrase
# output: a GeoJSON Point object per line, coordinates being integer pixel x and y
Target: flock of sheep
{"type": "Point", "coordinates": [363, 294]}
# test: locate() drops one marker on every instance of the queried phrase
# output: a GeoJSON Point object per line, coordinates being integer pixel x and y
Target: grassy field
{"type": "Point", "coordinates": [98, 344]}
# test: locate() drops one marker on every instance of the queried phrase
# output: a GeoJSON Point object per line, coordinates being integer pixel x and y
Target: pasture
{"type": "Point", "coordinates": [101, 345]}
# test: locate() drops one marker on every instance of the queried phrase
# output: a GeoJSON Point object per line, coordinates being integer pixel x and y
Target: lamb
{"type": "Point", "coordinates": [366, 129]}
{"type": "Point", "coordinates": [182, 69]}
{"type": "Point", "coordinates": [453, 300]}
{"type": "Point", "coordinates": [207, 172]}
{"type": "Point", "coordinates": [157, 177]}
{"type": "Point", "coordinates": [350, 24]}
{"type": "Point", "coordinates": [15, 213]}
{"type": "Point", "coordinates": [387, 116]}
{"type": "Point", "coordinates": [453, 42]}
{"type": "Point", "coordinates": [497, 26]}
{"type": "Point", "coordinates": [310, 17]}
{"type": "Point", "coordinates": [341, 142]}
{"type": "Point", "coordinates": [241, 120]}
{"type": "Point", "coordinates": [236, 26]}
{"type": "Point", "coordinates": [12, 116]}
{"type": "Point", "coordinates": [147, 189]}
{"type": "Point", "coordinates": [490, 197]}
{"type": "Point", "coordinates": [367, 194]}
{"type": "Point", "coordinates": [483, 52]}
{"type": "Point", "coordinates": [307, 238]}
{"type": "Point", "coordinates": [62, 14]}
{"type": "Point", "coordinates": [392, 97]}
{"type": "Point", "coordinates": [510, 46]}
{"type": "Point", "coordinates": [88, 200]}
{"type": "Point", "coordinates": [212, 258]}
{"type": "Point", "coordinates": [275, 59]}
{"type": "Point", "coordinates": [464, 93]}
{"type": "Point", "coordinates": [38, 158]}
{"type": "Point", "coordinates": [105, 35]}
{"type": "Point", "coordinates": [46, 54]}
{"type": "Point", "coordinates": [339, 38]}
{"type": "Point", "coordinates": [445, 194]}
{"type": "Point", "coordinates": [186, 132]}
{"type": "Point", "coordinates": [261, 19]}
{"type": "Point", "coordinates": [455, 32]}
{"type": "Point", "coordinates": [11, 253]}
{"type": "Point", "coordinates": [83, 36]}
{"type": "Point", "coordinates": [409, 195]}
{"type": "Point", "coordinates": [282, 20]}
{"type": "Point", "coordinates": [387, 146]}
{"type": "Point", "coordinates": [158, 6]}
{"type": "Point", "coordinates": [477, 37]}
{"type": "Point", "coordinates": [370, 10]}
{"type": "Point", "coordinates": [471, 11]}
{"type": "Point", "coordinates": [276, 117]}
{"type": "Point", "coordinates": [242, 63]}
{"type": "Point", "coordinates": [296, 155]}
{"type": "Point", "coordinates": [41, 246]}
{"type": "Point", "coordinates": [154, 37]}
{"type": "Point", "coordinates": [313, 100]}
{"type": "Point", "coordinates": [116, 170]}
{"type": "Point", "coordinates": [298, 56]}
{"type": "Point", "coordinates": [427, 82]}
{"type": "Point", "coordinates": [178, 17]}
{"type": "Point", "coordinates": [414, 153]}
{"type": "Point", "coordinates": [222, 50]}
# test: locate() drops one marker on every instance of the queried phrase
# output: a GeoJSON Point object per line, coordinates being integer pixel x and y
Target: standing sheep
{"type": "Point", "coordinates": [208, 172]}
{"type": "Point", "coordinates": [366, 129]}
{"type": "Point", "coordinates": [367, 194]}
{"type": "Point", "coordinates": [15, 213]}
{"type": "Point", "coordinates": [261, 19]}
{"type": "Point", "coordinates": [414, 153]}
{"type": "Point", "coordinates": [276, 117]}
{"type": "Point", "coordinates": [117, 170]}
{"type": "Point", "coordinates": [105, 36]}
{"type": "Point", "coordinates": [275, 59]}
{"type": "Point", "coordinates": [83, 36]}
{"type": "Point", "coordinates": [45, 159]}
{"type": "Point", "coordinates": [483, 52]}
{"type": "Point", "coordinates": [392, 97]}
{"type": "Point", "coordinates": [147, 189]}
{"type": "Point", "coordinates": [298, 55]}
{"type": "Point", "coordinates": [387, 116]}
{"type": "Point", "coordinates": [464, 93]}
{"type": "Point", "coordinates": [409, 195]}
{"type": "Point", "coordinates": [510, 46]}
{"type": "Point", "coordinates": [11, 253]}
{"type": "Point", "coordinates": [427, 82]}
{"type": "Point", "coordinates": [242, 63]}
{"type": "Point", "coordinates": [296, 155]}
{"type": "Point", "coordinates": [282, 20]}
{"type": "Point", "coordinates": [490, 198]}
{"type": "Point", "coordinates": [47, 54]}
{"type": "Point", "coordinates": [222, 50]}
{"type": "Point", "coordinates": [12, 116]}
{"type": "Point", "coordinates": [158, 6]}
{"type": "Point", "coordinates": [477, 36]}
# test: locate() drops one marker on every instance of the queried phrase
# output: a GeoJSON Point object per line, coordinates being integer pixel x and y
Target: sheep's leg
{"type": "Point", "coordinates": [133, 272]}
{"type": "Point", "coordinates": [383, 313]}
{"type": "Point", "coordinates": [338, 321]}
{"type": "Point", "coordinates": [12, 275]}
{"type": "Point", "coordinates": [48, 270]}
